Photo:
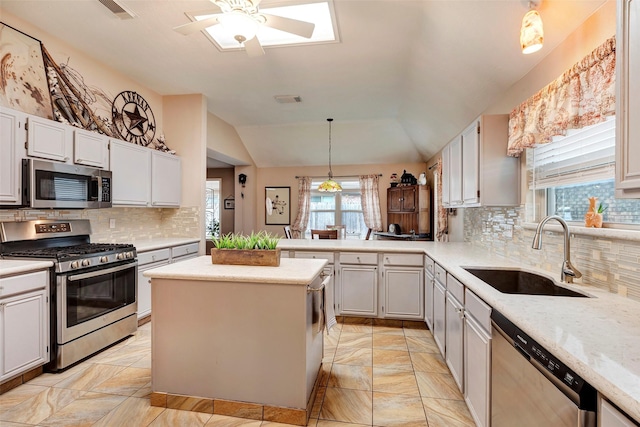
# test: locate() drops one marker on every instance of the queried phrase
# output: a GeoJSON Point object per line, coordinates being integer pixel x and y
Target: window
{"type": "Point", "coordinates": [563, 174]}
{"type": "Point", "coordinates": [343, 208]}
{"type": "Point", "coordinates": [212, 209]}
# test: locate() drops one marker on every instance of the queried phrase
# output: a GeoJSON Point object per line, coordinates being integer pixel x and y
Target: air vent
{"type": "Point", "coordinates": [117, 9]}
{"type": "Point", "coordinates": [288, 99]}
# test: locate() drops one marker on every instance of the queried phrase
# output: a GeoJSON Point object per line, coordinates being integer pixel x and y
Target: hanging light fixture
{"type": "Point", "coordinates": [330, 185]}
{"type": "Point", "coordinates": [531, 32]}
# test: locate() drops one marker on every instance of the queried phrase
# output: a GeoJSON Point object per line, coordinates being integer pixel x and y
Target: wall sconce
{"type": "Point", "coordinates": [242, 179]}
{"type": "Point", "coordinates": [531, 32]}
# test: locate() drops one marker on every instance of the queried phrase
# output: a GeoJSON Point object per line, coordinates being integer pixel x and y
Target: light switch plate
{"type": "Point", "coordinates": [112, 223]}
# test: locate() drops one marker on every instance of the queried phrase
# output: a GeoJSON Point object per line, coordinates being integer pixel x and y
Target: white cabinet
{"type": "Point", "coordinates": [48, 139]}
{"type": "Point", "coordinates": [403, 286]}
{"type": "Point", "coordinates": [131, 169]}
{"type": "Point", "coordinates": [478, 169]}
{"type": "Point", "coordinates": [446, 172]}
{"type": "Point", "coordinates": [454, 338]}
{"type": "Point", "coordinates": [24, 323]}
{"type": "Point", "coordinates": [477, 358]}
{"type": "Point", "coordinates": [439, 313]}
{"type": "Point", "coordinates": [610, 416]}
{"type": "Point", "coordinates": [358, 290]}
{"type": "Point", "coordinates": [166, 182]}
{"type": "Point", "coordinates": [184, 252]}
{"type": "Point", "coordinates": [90, 149]}
{"type": "Point", "coordinates": [628, 99]}
{"type": "Point", "coordinates": [146, 261]}
{"type": "Point", "coordinates": [429, 271]}
{"type": "Point", "coordinates": [12, 138]}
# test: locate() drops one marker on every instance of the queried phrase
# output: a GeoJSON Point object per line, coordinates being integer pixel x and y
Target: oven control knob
{"type": "Point", "coordinates": [104, 258]}
{"type": "Point", "coordinates": [86, 262]}
{"type": "Point", "coordinates": [120, 256]}
{"type": "Point", "coordinates": [129, 255]}
{"type": "Point", "coordinates": [75, 264]}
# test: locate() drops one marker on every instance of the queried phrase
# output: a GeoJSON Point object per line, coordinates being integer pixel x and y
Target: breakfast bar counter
{"type": "Point", "coordinates": [237, 340]}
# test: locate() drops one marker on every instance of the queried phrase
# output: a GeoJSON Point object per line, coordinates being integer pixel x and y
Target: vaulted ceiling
{"type": "Point", "coordinates": [405, 77]}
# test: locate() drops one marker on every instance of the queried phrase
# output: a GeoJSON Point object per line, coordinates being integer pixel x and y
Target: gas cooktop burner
{"type": "Point", "coordinates": [69, 252]}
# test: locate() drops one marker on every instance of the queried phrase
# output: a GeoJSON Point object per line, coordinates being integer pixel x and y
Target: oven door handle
{"type": "Point", "coordinates": [101, 272]}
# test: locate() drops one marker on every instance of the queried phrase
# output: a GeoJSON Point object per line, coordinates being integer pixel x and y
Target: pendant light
{"type": "Point", "coordinates": [531, 32]}
{"type": "Point", "coordinates": [330, 185]}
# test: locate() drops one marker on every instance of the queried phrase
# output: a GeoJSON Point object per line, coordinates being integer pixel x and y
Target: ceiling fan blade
{"type": "Point", "coordinates": [293, 26]}
{"type": "Point", "coordinates": [253, 47]}
{"type": "Point", "coordinates": [194, 27]}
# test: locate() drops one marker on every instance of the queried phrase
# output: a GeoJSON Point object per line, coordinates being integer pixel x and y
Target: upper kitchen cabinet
{"type": "Point", "coordinates": [628, 100]}
{"type": "Point", "coordinates": [144, 177]}
{"type": "Point", "coordinates": [90, 149]}
{"type": "Point", "coordinates": [12, 138]}
{"type": "Point", "coordinates": [477, 169]}
{"type": "Point", "coordinates": [48, 139]}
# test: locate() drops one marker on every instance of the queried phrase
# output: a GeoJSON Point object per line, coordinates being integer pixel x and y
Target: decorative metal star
{"type": "Point", "coordinates": [136, 121]}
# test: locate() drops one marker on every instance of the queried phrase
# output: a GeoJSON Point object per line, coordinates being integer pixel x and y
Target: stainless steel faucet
{"type": "Point", "coordinates": [568, 270]}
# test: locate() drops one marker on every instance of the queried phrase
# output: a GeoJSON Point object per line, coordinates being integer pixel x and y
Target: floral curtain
{"type": "Point", "coordinates": [584, 95]}
{"type": "Point", "coordinates": [299, 226]}
{"type": "Point", "coordinates": [443, 225]}
{"type": "Point", "coordinates": [370, 200]}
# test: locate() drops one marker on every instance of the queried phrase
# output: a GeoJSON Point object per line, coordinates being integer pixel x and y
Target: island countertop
{"type": "Point", "coordinates": [290, 271]}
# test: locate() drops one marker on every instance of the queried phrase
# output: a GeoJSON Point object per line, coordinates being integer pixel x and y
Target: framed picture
{"type": "Point", "coordinates": [230, 203]}
{"type": "Point", "coordinates": [277, 201]}
{"type": "Point", "coordinates": [25, 86]}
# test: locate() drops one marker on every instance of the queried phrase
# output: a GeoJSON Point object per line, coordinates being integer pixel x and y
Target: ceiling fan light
{"type": "Point", "coordinates": [531, 32]}
{"type": "Point", "coordinates": [240, 25]}
{"type": "Point", "coordinates": [329, 186]}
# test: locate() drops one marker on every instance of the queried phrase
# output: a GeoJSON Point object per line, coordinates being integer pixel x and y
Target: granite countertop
{"type": "Point", "coordinates": [11, 267]}
{"type": "Point", "coordinates": [290, 271]}
{"type": "Point", "coordinates": [145, 245]}
{"type": "Point", "coordinates": [598, 337]}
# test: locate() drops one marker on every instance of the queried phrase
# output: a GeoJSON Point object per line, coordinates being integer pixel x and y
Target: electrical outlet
{"type": "Point", "coordinates": [507, 230]}
{"type": "Point", "coordinates": [112, 223]}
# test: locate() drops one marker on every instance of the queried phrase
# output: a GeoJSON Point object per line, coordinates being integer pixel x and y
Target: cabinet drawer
{"type": "Point", "coordinates": [441, 275]}
{"type": "Point", "coordinates": [429, 265]}
{"type": "Point", "coordinates": [191, 248]}
{"type": "Point", "coordinates": [358, 258]}
{"type": "Point", "coordinates": [153, 256]}
{"type": "Point", "coordinates": [455, 287]}
{"type": "Point", "coordinates": [23, 283]}
{"type": "Point", "coordinates": [404, 259]}
{"type": "Point", "coordinates": [478, 309]}
{"type": "Point", "coordinates": [315, 255]}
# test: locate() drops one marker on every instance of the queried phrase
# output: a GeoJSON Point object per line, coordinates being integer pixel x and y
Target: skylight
{"type": "Point", "coordinates": [319, 13]}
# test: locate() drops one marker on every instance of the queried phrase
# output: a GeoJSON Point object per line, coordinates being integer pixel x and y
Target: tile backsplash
{"type": "Point", "coordinates": [610, 264]}
{"type": "Point", "coordinates": [131, 224]}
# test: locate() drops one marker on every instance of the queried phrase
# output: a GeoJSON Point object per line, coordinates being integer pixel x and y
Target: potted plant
{"type": "Point", "coordinates": [254, 249]}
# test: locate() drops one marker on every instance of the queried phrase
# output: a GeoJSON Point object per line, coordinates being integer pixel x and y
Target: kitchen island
{"type": "Point", "coordinates": [237, 340]}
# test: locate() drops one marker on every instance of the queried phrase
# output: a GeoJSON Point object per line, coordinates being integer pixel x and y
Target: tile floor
{"type": "Point", "coordinates": [375, 373]}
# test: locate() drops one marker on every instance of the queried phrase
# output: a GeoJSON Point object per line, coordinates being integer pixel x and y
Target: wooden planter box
{"type": "Point", "coordinates": [260, 257]}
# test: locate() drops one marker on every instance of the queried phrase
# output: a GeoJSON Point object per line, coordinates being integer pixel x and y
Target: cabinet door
{"type": "Point", "coordinates": [628, 99]}
{"type": "Point", "coordinates": [409, 199]}
{"type": "Point", "coordinates": [477, 371]}
{"type": "Point", "coordinates": [446, 172]}
{"type": "Point", "coordinates": [90, 148]}
{"type": "Point", "coordinates": [131, 168]}
{"type": "Point", "coordinates": [12, 139]}
{"type": "Point", "coordinates": [439, 316]}
{"type": "Point", "coordinates": [144, 289]}
{"type": "Point", "coordinates": [428, 299]}
{"type": "Point", "coordinates": [471, 165]}
{"type": "Point", "coordinates": [403, 293]}
{"type": "Point", "coordinates": [609, 416]}
{"type": "Point", "coordinates": [166, 179]}
{"type": "Point", "coordinates": [48, 139]}
{"type": "Point", "coordinates": [358, 290]}
{"type": "Point", "coordinates": [23, 333]}
{"type": "Point", "coordinates": [455, 172]}
{"type": "Point", "coordinates": [454, 339]}
{"type": "Point", "coordinates": [394, 199]}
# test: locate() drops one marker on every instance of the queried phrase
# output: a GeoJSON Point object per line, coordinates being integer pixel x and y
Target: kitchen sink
{"type": "Point", "coordinates": [521, 282]}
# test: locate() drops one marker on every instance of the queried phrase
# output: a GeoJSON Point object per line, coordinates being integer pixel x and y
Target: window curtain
{"type": "Point", "coordinates": [584, 95]}
{"type": "Point", "coordinates": [370, 201]}
{"type": "Point", "coordinates": [304, 206]}
{"type": "Point", "coordinates": [443, 225]}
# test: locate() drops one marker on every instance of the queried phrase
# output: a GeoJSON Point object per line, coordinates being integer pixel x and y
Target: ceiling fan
{"type": "Point", "coordinates": [241, 18]}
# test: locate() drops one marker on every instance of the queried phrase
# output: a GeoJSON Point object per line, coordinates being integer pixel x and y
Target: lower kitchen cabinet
{"type": "Point", "coordinates": [454, 337]}
{"type": "Point", "coordinates": [477, 361]}
{"type": "Point", "coordinates": [439, 315]}
{"type": "Point", "coordinates": [147, 261]}
{"type": "Point", "coordinates": [610, 416]}
{"type": "Point", "coordinates": [358, 290]}
{"type": "Point", "coordinates": [403, 292]}
{"type": "Point", "coordinates": [428, 292]}
{"type": "Point", "coordinates": [24, 323]}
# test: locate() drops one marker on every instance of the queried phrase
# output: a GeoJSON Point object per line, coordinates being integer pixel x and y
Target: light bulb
{"type": "Point", "coordinates": [531, 33]}
{"type": "Point", "coordinates": [240, 25]}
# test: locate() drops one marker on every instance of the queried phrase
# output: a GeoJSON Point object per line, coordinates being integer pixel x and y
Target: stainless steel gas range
{"type": "Point", "coordinates": [93, 285]}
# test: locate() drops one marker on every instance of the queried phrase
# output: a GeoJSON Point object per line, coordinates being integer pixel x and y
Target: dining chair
{"type": "Point", "coordinates": [287, 232]}
{"type": "Point", "coordinates": [324, 234]}
{"type": "Point", "coordinates": [342, 230]}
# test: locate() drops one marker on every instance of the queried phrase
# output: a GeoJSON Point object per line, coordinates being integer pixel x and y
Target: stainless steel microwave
{"type": "Point", "coordinates": [64, 186]}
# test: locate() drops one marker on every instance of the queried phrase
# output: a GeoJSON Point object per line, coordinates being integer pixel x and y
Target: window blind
{"type": "Point", "coordinates": [583, 155]}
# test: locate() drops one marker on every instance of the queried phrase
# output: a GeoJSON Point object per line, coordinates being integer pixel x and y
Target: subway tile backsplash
{"type": "Point", "coordinates": [609, 264]}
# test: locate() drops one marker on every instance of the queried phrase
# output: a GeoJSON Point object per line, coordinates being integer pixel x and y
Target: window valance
{"type": "Point", "coordinates": [584, 95]}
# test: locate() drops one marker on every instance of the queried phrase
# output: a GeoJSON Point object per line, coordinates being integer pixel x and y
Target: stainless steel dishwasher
{"type": "Point", "coordinates": [530, 387]}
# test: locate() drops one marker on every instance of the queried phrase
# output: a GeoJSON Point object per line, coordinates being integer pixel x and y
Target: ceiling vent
{"type": "Point", "coordinates": [117, 9]}
{"type": "Point", "coordinates": [288, 99]}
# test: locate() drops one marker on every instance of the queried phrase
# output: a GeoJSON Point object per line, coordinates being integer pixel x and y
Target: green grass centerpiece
{"type": "Point", "coordinates": [255, 249]}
